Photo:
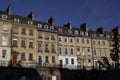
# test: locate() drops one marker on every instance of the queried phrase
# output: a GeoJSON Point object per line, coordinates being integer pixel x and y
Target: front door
{"type": "Point", "coordinates": [61, 63]}
{"type": "Point", "coordinates": [14, 61]}
{"type": "Point", "coordinates": [39, 61]}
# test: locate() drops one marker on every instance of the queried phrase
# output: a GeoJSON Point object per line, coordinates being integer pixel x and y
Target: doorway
{"type": "Point", "coordinates": [14, 60]}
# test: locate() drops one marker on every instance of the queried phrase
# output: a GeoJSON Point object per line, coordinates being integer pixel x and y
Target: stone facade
{"type": "Point", "coordinates": [32, 43]}
{"type": "Point", "coordinates": [5, 44]}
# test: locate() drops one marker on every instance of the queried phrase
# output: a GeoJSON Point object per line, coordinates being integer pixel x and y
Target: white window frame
{"type": "Point", "coordinates": [60, 38]}
{"type": "Point", "coordinates": [16, 20]}
{"type": "Point", "coordinates": [4, 40]}
{"type": "Point", "coordinates": [30, 22]}
{"type": "Point", "coordinates": [5, 27]}
{"type": "Point", "coordinates": [39, 25]}
{"type": "Point", "coordinates": [4, 53]}
{"type": "Point", "coordinates": [66, 39]}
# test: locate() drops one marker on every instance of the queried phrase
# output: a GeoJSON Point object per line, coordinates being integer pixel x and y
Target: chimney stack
{"type": "Point", "coordinates": [9, 10]}
{"type": "Point", "coordinates": [84, 27]}
{"type": "Point", "coordinates": [31, 15]}
{"type": "Point", "coordinates": [68, 25]}
{"type": "Point", "coordinates": [51, 20]}
{"type": "Point", "coordinates": [100, 30]}
{"type": "Point", "coordinates": [116, 30]}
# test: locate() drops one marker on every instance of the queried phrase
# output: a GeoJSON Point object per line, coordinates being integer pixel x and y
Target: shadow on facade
{"type": "Point", "coordinates": [67, 74]}
{"type": "Point", "coordinates": [19, 74]}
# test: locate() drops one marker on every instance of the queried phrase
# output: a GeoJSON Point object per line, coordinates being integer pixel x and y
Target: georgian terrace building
{"type": "Point", "coordinates": [32, 43]}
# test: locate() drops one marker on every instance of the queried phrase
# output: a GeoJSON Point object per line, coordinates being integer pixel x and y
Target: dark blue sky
{"type": "Point", "coordinates": [95, 13]}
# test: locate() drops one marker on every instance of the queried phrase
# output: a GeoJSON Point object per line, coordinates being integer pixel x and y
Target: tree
{"type": "Point", "coordinates": [115, 52]}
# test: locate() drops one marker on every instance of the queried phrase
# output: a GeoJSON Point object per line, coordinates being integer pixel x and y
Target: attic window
{"type": "Point", "coordinates": [94, 35]}
{"type": "Point", "coordinates": [108, 36]}
{"type": "Point", "coordinates": [16, 20]}
{"type": "Point", "coordinates": [76, 32]}
{"type": "Point", "coordinates": [100, 35]}
{"type": "Point", "coordinates": [60, 30]}
{"type": "Point", "coordinates": [70, 31]}
{"type": "Point", "coordinates": [86, 33]}
{"type": "Point", "coordinates": [30, 22]}
{"type": "Point", "coordinates": [4, 16]}
{"type": "Point", "coordinates": [46, 26]}
{"type": "Point", "coordinates": [52, 27]}
{"type": "Point", "coordinates": [39, 25]}
{"type": "Point", "coordinates": [82, 33]}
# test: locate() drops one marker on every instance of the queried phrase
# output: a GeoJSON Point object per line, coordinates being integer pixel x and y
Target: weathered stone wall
{"type": "Point", "coordinates": [48, 73]}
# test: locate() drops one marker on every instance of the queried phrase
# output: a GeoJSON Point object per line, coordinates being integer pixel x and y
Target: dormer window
{"type": "Point", "coordinates": [4, 16]}
{"type": "Point", "coordinates": [60, 30]}
{"type": "Point", "coordinates": [51, 27]}
{"type": "Point", "coordinates": [108, 36]}
{"type": "Point", "coordinates": [86, 33]}
{"type": "Point", "coordinates": [75, 32]}
{"type": "Point", "coordinates": [30, 22]}
{"type": "Point", "coordinates": [16, 20]}
{"type": "Point", "coordinates": [82, 33]}
{"type": "Point", "coordinates": [46, 26]}
{"type": "Point", "coordinates": [100, 35]}
{"type": "Point", "coordinates": [70, 31]}
{"type": "Point", "coordinates": [94, 35]}
{"type": "Point", "coordinates": [39, 25]}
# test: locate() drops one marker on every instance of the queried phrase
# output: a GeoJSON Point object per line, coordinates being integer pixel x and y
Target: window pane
{"type": "Point", "coordinates": [15, 30]}
{"type": "Point", "coordinates": [4, 41]}
{"type": "Point", "coordinates": [31, 44]}
{"type": "Point", "coordinates": [66, 60]}
{"type": "Point", "coordinates": [23, 56]}
{"type": "Point", "coordinates": [23, 31]}
{"type": "Point", "coordinates": [46, 48]}
{"type": "Point", "coordinates": [4, 53]}
{"type": "Point", "coordinates": [30, 56]}
{"type": "Point", "coordinates": [53, 48]}
{"type": "Point", "coordinates": [31, 32]}
{"type": "Point", "coordinates": [39, 47]}
{"type": "Point", "coordinates": [23, 43]}
{"type": "Point", "coordinates": [15, 43]}
{"type": "Point", "coordinates": [5, 27]}
{"type": "Point", "coordinates": [72, 61]}
{"type": "Point", "coordinates": [53, 59]}
{"type": "Point", "coordinates": [46, 59]}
